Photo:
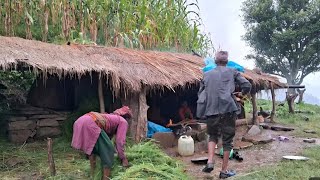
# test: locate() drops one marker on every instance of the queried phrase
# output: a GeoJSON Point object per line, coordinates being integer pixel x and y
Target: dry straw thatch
{"type": "Point", "coordinates": [127, 67]}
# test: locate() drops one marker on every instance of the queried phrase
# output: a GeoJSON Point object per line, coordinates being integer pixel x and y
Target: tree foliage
{"type": "Point", "coordinates": [143, 24]}
{"type": "Point", "coordinates": [285, 36]}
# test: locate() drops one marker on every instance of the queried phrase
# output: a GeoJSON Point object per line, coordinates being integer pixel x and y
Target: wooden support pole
{"type": "Point", "coordinates": [142, 128]}
{"type": "Point", "coordinates": [273, 95]}
{"type": "Point", "coordinates": [138, 105]}
{"type": "Point", "coordinates": [254, 108]}
{"type": "Point", "coordinates": [51, 164]}
{"type": "Point", "coordinates": [101, 97]}
{"type": "Point", "coordinates": [253, 93]}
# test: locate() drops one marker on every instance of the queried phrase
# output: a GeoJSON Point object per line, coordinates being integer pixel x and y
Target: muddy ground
{"type": "Point", "coordinates": [254, 156]}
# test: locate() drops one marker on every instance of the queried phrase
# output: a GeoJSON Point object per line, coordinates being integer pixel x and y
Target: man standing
{"type": "Point", "coordinates": [221, 109]}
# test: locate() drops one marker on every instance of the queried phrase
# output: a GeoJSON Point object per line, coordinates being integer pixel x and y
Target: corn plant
{"type": "Point", "coordinates": [142, 24]}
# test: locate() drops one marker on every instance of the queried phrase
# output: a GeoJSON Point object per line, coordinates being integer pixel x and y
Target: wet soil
{"type": "Point", "coordinates": [254, 156]}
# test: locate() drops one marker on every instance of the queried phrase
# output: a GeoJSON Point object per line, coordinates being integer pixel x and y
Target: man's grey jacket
{"type": "Point", "coordinates": [215, 95]}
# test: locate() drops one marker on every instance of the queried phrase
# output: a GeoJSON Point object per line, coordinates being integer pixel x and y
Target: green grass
{"type": "Point", "coordinates": [147, 160]}
{"type": "Point", "coordinates": [296, 120]}
{"type": "Point", "coordinates": [289, 169]}
{"type": "Point", "coordinates": [69, 163]}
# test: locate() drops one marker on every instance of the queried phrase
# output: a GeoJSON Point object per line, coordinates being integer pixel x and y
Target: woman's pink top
{"type": "Point", "coordinates": [86, 132]}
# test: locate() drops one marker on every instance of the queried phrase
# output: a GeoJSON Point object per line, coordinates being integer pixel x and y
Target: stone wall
{"type": "Point", "coordinates": [30, 123]}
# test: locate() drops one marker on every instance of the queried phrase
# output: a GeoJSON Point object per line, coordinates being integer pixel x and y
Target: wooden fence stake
{"type": "Point", "coordinates": [52, 167]}
{"type": "Point", "coordinates": [273, 95]}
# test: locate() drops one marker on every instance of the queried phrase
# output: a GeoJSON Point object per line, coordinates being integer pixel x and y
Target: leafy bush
{"type": "Point", "coordinates": [15, 87]}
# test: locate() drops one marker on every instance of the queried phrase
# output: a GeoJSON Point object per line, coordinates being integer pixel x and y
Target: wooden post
{"type": "Point", "coordinates": [51, 164]}
{"type": "Point", "coordinates": [138, 123]}
{"type": "Point", "coordinates": [254, 104]}
{"type": "Point", "coordinates": [273, 95]}
{"type": "Point", "coordinates": [254, 108]}
{"type": "Point", "coordinates": [101, 97]}
{"type": "Point", "coordinates": [132, 101]}
{"type": "Point", "coordinates": [142, 116]}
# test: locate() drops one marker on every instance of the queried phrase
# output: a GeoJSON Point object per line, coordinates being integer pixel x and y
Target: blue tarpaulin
{"type": "Point", "coordinates": [154, 128]}
{"type": "Point", "coordinates": [210, 64]}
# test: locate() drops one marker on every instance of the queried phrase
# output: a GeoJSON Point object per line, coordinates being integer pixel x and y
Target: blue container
{"type": "Point", "coordinates": [210, 64]}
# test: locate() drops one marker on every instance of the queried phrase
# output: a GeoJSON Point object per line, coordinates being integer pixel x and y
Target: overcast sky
{"type": "Point", "coordinates": [221, 18]}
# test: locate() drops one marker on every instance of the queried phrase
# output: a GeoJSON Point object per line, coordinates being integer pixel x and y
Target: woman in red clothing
{"type": "Point", "coordinates": [92, 133]}
{"type": "Point", "coordinates": [185, 112]}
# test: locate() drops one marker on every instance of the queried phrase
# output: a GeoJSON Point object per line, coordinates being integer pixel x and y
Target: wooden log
{"type": "Point", "coordinates": [101, 97]}
{"type": "Point", "coordinates": [273, 95]}
{"type": "Point", "coordinates": [51, 164]}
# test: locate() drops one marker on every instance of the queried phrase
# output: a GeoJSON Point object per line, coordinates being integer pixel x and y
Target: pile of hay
{"type": "Point", "coordinates": [148, 162]}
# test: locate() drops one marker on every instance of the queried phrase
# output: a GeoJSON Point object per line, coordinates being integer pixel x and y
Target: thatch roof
{"type": "Point", "coordinates": [128, 67]}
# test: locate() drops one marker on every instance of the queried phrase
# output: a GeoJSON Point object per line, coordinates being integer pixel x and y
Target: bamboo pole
{"type": "Point", "coordinates": [101, 97]}
{"type": "Point", "coordinates": [273, 95]}
{"type": "Point", "coordinates": [51, 164]}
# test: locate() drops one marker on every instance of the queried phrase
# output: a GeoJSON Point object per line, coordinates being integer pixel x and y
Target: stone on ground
{"type": "Point", "coordinates": [165, 139]}
{"type": "Point", "coordinates": [309, 140]}
{"type": "Point", "coordinates": [258, 139]}
{"type": "Point", "coordinates": [310, 131]}
{"type": "Point", "coordinates": [254, 130]}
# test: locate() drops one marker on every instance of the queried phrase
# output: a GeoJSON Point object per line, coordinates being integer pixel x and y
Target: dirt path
{"type": "Point", "coordinates": [255, 156]}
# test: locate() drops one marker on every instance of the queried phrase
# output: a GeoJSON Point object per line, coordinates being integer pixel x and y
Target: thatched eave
{"type": "Point", "coordinates": [129, 68]}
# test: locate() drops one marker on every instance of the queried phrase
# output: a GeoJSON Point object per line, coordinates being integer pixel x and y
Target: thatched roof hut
{"type": "Point", "coordinates": [128, 67]}
{"type": "Point", "coordinates": [134, 71]}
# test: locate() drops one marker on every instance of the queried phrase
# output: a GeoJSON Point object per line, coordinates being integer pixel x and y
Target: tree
{"type": "Point", "coordinates": [285, 36]}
